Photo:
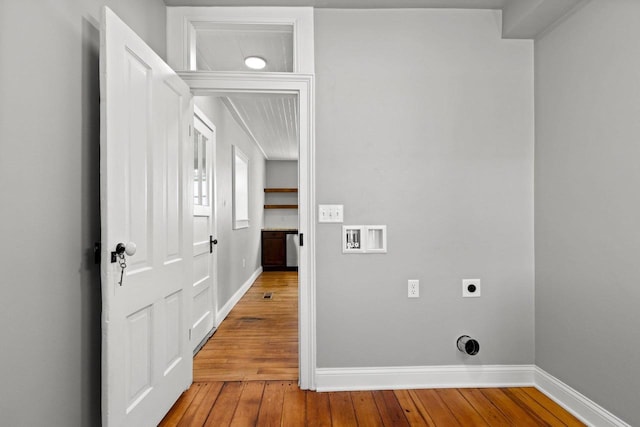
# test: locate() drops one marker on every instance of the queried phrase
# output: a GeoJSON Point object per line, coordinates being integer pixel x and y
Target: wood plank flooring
{"type": "Point", "coordinates": [246, 375]}
{"type": "Point", "coordinates": [259, 338]}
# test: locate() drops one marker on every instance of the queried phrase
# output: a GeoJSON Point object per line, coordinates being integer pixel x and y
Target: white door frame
{"type": "Point", "coordinates": [216, 83]}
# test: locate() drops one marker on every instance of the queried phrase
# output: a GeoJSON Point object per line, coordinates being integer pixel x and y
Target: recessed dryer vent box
{"type": "Point", "coordinates": [363, 239]}
{"type": "Point", "coordinates": [376, 241]}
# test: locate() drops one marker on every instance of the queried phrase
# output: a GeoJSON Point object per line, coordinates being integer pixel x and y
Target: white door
{"type": "Point", "coordinates": [204, 230]}
{"type": "Point", "coordinates": [145, 153]}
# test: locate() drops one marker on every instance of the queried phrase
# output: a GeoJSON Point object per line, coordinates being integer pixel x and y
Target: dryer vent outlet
{"type": "Point", "coordinates": [468, 345]}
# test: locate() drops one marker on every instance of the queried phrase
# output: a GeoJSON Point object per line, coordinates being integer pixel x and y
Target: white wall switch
{"type": "Point", "coordinates": [471, 288]}
{"type": "Point", "coordinates": [413, 289]}
{"type": "Point", "coordinates": [330, 213]}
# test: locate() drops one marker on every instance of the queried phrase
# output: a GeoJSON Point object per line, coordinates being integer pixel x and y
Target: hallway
{"type": "Point", "coordinates": [259, 338]}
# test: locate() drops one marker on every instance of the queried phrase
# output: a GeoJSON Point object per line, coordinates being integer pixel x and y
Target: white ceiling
{"type": "Point", "coordinates": [270, 120]}
{"type": "Point", "coordinates": [349, 4]}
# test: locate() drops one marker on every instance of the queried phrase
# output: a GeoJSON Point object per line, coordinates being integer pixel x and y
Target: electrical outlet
{"type": "Point", "coordinates": [413, 289]}
{"type": "Point", "coordinates": [244, 263]}
{"type": "Point", "coordinates": [471, 288]}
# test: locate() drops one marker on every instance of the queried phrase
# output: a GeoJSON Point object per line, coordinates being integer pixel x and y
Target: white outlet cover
{"type": "Point", "coordinates": [466, 284]}
{"type": "Point", "coordinates": [413, 289]}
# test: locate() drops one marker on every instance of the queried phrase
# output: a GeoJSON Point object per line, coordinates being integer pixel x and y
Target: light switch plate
{"type": "Point", "coordinates": [331, 213]}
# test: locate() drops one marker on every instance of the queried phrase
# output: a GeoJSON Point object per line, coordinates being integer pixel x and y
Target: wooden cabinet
{"type": "Point", "coordinates": [274, 250]}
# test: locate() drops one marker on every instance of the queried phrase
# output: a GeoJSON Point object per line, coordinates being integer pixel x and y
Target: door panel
{"type": "Point", "coordinates": [138, 362]}
{"type": "Point", "coordinates": [201, 266]}
{"type": "Point", "coordinates": [172, 161]}
{"type": "Point", "coordinates": [201, 227]}
{"type": "Point", "coordinates": [145, 199]}
{"type": "Point", "coordinates": [174, 327]}
{"type": "Point", "coordinates": [136, 181]}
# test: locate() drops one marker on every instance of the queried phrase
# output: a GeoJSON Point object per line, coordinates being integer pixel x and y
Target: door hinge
{"type": "Point", "coordinates": [212, 242]}
{"type": "Point", "coordinates": [301, 239]}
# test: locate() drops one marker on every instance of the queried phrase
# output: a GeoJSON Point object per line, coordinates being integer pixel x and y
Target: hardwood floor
{"type": "Point", "coordinates": [246, 375]}
{"type": "Point", "coordinates": [259, 338]}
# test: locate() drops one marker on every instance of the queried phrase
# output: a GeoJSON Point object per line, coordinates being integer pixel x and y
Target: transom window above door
{"type": "Point", "coordinates": [220, 39]}
{"type": "Point", "coordinates": [232, 47]}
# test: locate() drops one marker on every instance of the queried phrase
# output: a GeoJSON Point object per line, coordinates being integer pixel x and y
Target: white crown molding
{"type": "Point", "coordinates": [411, 377]}
{"type": "Point", "coordinates": [226, 309]}
{"type": "Point", "coordinates": [583, 408]}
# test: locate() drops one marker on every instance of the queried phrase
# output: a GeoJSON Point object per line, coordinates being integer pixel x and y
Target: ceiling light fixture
{"type": "Point", "coordinates": [255, 62]}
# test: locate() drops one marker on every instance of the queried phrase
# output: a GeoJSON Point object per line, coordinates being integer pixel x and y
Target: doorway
{"type": "Point", "coordinates": [225, 84]}
{"type": "Point", "coordinates": [242, 125]}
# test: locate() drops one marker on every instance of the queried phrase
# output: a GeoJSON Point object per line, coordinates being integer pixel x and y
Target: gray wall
{"type": "Point", "coordinates": [281, 174]}
{"type": "Point", "coordinates": [50, 213]}
{"type": "Point", "coordinates": [235, 245]}
{"type": "Point", "coordinates": [588, 204]}
{"type": "Point", "coordinates": [425, 124]}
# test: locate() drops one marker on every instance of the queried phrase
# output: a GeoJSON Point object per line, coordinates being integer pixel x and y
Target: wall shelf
{"type": "Point", "coordinates": [281, 206]}
{"type": "Point", "coordinates": [280, 190]}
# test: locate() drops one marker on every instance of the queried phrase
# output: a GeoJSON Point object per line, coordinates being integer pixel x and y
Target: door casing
{"type": "Point", "coordinates": [301, 85]}
{"type": "Point", "coordinates": [182, 25]}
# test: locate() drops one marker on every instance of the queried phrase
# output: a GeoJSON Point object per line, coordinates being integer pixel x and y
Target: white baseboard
{"type": "Point", "coordinates": [226, 309]}
{"type": "Point", "coordinates": [454, 376]}
{"type": "Point", "coordinates": [583, 408]}
{"type": "Point", "coordinates": [463, 376]}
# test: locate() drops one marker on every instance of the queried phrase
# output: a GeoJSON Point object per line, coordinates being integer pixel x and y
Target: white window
{"type": "Point", "coordinates": [240, 189]}
{"type": "Point", "coordinates": [200, 169]}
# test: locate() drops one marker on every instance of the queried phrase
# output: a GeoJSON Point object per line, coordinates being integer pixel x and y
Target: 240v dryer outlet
{"type": "Point", "coordinates": [471, 288]}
